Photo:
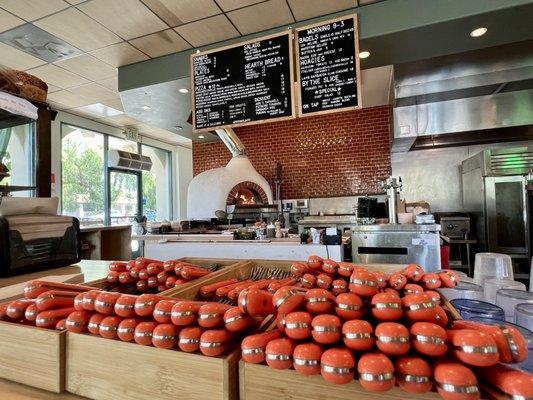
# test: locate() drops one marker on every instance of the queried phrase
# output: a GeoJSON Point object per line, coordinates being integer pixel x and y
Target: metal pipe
{"type": "Point", "coordinates": [232, 141]}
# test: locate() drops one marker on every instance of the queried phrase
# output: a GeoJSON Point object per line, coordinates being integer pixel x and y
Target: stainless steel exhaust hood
{"type": "Point", "coordinates": [463, 93]}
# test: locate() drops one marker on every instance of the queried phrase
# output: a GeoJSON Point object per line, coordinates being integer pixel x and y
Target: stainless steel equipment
{"type": "Point", "coordinates": [495, 190]}
{"type": "Point", "coordinates": [397, 244]}
{"type": "Point", "coordinates": [293, 212]}
{"type": "Point", "coordinates": [393, 187]}
{"type": "Point", "coordinates": [455, 227]}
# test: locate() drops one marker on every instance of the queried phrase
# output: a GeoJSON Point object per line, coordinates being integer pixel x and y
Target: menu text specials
{"type": "Point", "coordinates": [328, 66]}
{"type": "Point", "coordinates": [243, 84]}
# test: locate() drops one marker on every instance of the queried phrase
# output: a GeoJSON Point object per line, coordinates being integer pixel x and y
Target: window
{"type": "Point", "coordinates": [17, 152]}
{"type": "Point", "coordinates": [156, 185]}
{"type": "Point", "coordinates": [96, 192]}
{"type": "Point", "coordinates": [82, 174]}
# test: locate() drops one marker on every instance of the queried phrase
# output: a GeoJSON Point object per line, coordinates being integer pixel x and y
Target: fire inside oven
{"type": "Point", "coordinates": [246, 196]}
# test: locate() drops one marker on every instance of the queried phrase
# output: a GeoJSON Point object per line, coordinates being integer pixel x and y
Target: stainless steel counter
{"type": "Point", "coordinates": [397, 228]}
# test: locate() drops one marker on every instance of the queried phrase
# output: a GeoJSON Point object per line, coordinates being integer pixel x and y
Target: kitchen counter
{"type": "Point", "coordinates": [397, 228]}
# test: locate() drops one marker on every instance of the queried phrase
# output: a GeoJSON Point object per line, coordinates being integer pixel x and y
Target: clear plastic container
{"type": "Point", "coordinates": [492, 265]}
{"type": "Point", "coordinates": [464, 290]}
{"type": "Point", "coordinates": [477, 308]}
{"type": "Point", "coordinates": [526, 365]}
{"type": "Point", "coordinates": [492, 285]}
{"type": "Point", "coordinates": [509, 298]}
{"type": "Point", "coordinates": [523, 315]}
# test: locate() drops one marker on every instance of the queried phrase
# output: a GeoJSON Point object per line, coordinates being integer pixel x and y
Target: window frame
{"type": "Point", "coordinates": [170, 179]}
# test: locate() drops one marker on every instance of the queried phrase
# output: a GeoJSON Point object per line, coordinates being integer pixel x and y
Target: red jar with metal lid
{"type": "Point", "coordinates": [109, 326]}
{"type": "Point", "coordinates": [287, 299]}
{"type": "Point", "coordinates": [455, 381]}
{"type": "Point", "coordinates": [414, 272]}
{"type": "Point", "coordinates": [215, 342]}
{"type": "Point", "coordinates": [392, 338]}
{"type": "Point", "coordinates": [77, 321]}
{"type": "Point", "coordinates": [363, 283]}
{"type": "Point", "coordinates": [237, 321]}
{"type": "Point", "coordinates": [397, 281]}
{"type": "Point", "coordinates": [431, 281]}
{"type": "Point", "coordinates": [94, 324]}
{"type": "Point", "coordinates": [386, 307]}
{"type": "Point", "coordinates": [326, 329]}
{"type": "Point", "coordinates": [308, 281]}
{"type": "Point", "coordinates": [105, 302]}
{"type": "Point", "coordinates": [449, 278]}
{"type": "Point", "coordinates": [339, 286]}
{"type": "Point", "coordinates": [126, 329]}
{"type": "Point", "coordinates": [89, 298]}
{"type": "Point", "coordinates": [315, 262]}
{"type": "Point", "coordinates": [211, 315]}
{"type": "Point", "coordinates": [165, 336]}
{"type": "Point", "coordinates": [143, 333]}
{"type": "Point", "coordinates": [358, 335]}
{"type": "Point", "coordinates": [474, 347]}
{"type": "Point", "coordinates": [413, 374]}
{"type": "Point", "coordinates": [433, 295]}
{"type": "Point", "coordinates": [78, 302]}
{"type": "Point", "coordinates": [382, 277]}
{"type": "Point", "coordinates": [163, 310]}
{"type": "Point", "coordinates": [145, 304]}
{"type": "Point", "coordinates": [253, 346]}
{"type": "Point", "coordinates": [349, 306]}
{"type": "Point", "coordinates": [185, 313]}
{"type": "Point", "coordinates": [429, 339]}
{"type": "Point", "coordinates": [298, 325]}
{"type": "Point", "coordinates": [279, 353]}
{"type": "Point", "coordinates": [125, 306]}
{"type": "Point", "coordinates": [306, 358]}
{"type": "Point", "coordinates": [319, 301]}
{"type": "Point", "coordinates": [512, 346]}
{"type": "Point", "coordinates": [298, 269]}
{"type": "Point", "coordinates": [345, 269]}
{"type": "Point", "coordinates": [337, 366]}
{"type": "Point", "coordinates": [189, 338]}
{"type": "Point", "coordinates": [419, 307]}
{"type": "Point", "coordinates": [376, 372]}
{"type": "Point", "coordinates": [330, 266]}
{"type": "Point", "coordinates": [256, 302]}
{"type": "Point", "coordinates": [324, 281]}
{"type": "Point", "coordinates": [412, 288]}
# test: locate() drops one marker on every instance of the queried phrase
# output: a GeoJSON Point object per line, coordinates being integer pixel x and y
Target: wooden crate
{"type": "Point", "coordinates": [104, 369]}
{"type": "Point", "coordinates": [260, 382]}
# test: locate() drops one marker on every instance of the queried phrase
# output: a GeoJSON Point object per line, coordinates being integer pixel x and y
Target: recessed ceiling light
{"type": "Point", "coordinates": [478, 32]}
{"type": "Point", "coordinates": [183, 90]}
{"type": "Point", "coordinates": [201, 136]}
{"type": "Point", "coordinates": [145, 107]}
{"type": "Point", "coordinates": [178, 127]}
{"type": "Point", "coordinates": [364, 54]}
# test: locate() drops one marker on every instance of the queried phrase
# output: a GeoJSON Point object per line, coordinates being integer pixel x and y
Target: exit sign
{"type": "Point", "coordinates": [133, 134]}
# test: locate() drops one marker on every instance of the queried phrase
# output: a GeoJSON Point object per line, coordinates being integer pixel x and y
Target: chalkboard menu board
{"type": "Point", "coordinates": [243, 84]}
{"type": "Point", "coordinates": [328, 66]}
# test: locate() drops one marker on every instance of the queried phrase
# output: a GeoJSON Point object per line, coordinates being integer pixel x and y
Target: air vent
{"type": "Point", "coordinates": [511, 163]}
{"type": "Point", "coordinates": [130, 161]}
{"type": "Point", "coordinates": [39, 43]}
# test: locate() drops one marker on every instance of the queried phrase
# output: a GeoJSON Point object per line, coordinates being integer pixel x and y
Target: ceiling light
{"type": "Point", "coordinates": [201, 136]}
{"type": "Point", "coordinates": [145, 108]}
{"type": "Point", "coordinates": [178, 127]}
{"type": "Point", "coordinates": [478, 32]}
{"type": "Point", "coordinates": [364, 54]}
{"type": "Point", "coordinates": [183, 90]}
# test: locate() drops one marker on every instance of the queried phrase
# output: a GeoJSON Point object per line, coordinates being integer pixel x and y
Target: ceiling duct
{"type": "Point", "coordinates": [463, 93]}
{"type": "Point", "coordinates": [130, 161]}
{"type": "Point", "coordinates": [232, 141]}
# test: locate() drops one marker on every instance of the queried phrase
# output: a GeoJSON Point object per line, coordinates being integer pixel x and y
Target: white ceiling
{"type": "Point", "coordinates": [112, 33]}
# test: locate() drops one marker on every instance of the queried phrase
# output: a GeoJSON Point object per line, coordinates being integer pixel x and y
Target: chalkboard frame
{"type": "Point", "coordinates": [290, 39]}
{"type": "Point", "coordinates": [357, 66]}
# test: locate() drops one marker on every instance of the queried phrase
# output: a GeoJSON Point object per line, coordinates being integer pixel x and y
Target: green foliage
{"type": "Point", "coordinates": [149, 191]}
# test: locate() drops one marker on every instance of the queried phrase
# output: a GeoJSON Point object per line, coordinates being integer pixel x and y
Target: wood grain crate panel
{"type": "Point", "coordinates": [260, 382]}
{"type": "Point", "coordinates": [103, 369]}
{"type": "Point", "coordinates": [32, 356]}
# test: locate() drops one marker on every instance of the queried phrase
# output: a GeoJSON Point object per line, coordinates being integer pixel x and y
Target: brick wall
{"type": "Point", "coordinates": [338, 154]}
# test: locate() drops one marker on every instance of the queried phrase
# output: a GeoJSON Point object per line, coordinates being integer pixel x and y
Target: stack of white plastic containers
{"type": "Point", "coordinates": [494, 297]}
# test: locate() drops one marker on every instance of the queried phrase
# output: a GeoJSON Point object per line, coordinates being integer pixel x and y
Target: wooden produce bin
{"type": "Point", "coordinates": [34, 356]}
{"type": "Point", "coordinates": [104, 369]}
{"type": "Point", "coordinates": [260, 382]}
